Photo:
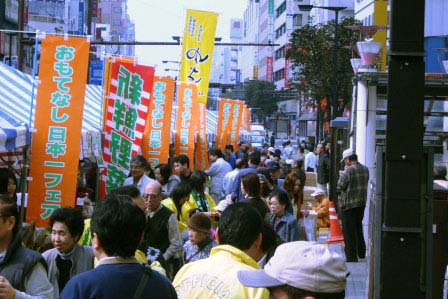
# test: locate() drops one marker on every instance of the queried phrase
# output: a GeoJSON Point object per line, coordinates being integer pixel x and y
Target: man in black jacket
{"type": "Point", "coordinates": [23, 272]}
{"type": "Point", "coordinates": [323, 168]}
{"type": "Point", "coordinates": [161, 229]}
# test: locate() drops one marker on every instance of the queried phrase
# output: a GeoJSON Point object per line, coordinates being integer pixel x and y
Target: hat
{"type": "Point", "coordinates": [347, 153]}
{"type": "Point", "coordinates": [303, 265]}
{"type": "Point", "coordinates": [200, 222]}
{"type": "Point", "coordinates": [273, 165]}
{"type": "Point", "coordinates": [318, 192]}
{"type": "Point", "coordinates": [271, 150]}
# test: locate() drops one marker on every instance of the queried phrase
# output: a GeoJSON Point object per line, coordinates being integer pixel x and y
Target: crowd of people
{"type": "Point", "coordinates": [234, 230]}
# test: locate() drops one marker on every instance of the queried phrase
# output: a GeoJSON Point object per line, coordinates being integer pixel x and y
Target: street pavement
{"type": "Point", "coordinates": [356, 287]}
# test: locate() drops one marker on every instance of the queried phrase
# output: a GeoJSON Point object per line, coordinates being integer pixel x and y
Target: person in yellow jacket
{"type": "Point", "coordinates": [199, 199]}
{"type": "Point", "coordinates": [178, 197]}
{"type": "Point", "coordinates": [239, 237]}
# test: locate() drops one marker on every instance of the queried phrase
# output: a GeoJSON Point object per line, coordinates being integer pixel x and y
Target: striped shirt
{"type": "Point", "coordinates": [353, 185]}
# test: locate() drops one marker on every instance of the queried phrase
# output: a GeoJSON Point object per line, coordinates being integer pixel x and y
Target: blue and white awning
{"type": "Point", "coordinates": [16, 93]}
{"type": "Point", "coordinates": [13, 134]}
{"type": "Point", "coordinates": [15, 96]}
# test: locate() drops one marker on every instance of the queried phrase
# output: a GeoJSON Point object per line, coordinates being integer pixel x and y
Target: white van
{"type": "Point", "coordinates": [257, 136]}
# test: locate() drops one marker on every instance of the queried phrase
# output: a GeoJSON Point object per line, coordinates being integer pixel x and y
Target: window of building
{"type": "Point", "coordinates": [280, 30]}
{"type": "Point", "coordinates": [117, 9]}
{"type": "Point", "coordinates": [297, 20]}
{"type": "Point", "coordinates": [279, 75]}
{"type": "Point", "coordinates": [280, 53]}
{"type": "Point", "coordinates": [281, 9]}
{"type": "Point", "coordinates": [116, 22]}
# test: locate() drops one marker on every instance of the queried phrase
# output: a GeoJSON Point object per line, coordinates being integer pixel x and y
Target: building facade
{"type": "Point", "coordinates": [249, 55]}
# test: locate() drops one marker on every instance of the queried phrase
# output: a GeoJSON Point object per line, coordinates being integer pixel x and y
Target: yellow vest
{"type": "Point", "coordinates": [216, 276]}
{"type": "Point", "coordinates": [191, 204]}
{"type": "Point", "coordinates": [169, 203]}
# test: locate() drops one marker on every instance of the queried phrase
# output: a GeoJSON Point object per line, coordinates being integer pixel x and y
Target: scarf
{"type": "Point", "coordinates": [201, 201]}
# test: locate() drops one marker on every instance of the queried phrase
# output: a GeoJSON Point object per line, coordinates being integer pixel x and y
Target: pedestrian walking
{"type": "Point", "coordinates": [353, 182]}
{"type": "Point", "coordinates": [217, 171]}
{"type": "Point", "coordinates": [323, 168]}
{"type": "Point", "coordinates": [310, 162]}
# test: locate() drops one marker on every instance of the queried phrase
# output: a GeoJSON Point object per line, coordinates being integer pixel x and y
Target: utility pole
{"type": "Point", "coordinates": [402, 269]}
{"type": "Point", "coordinates": [20, 25]}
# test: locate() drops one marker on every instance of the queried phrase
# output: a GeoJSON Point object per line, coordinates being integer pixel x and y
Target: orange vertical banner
{"type": "Point", "coordinates": [156, 138]}
{"type": "Point", "coordinates": [186, 119]}
{"type": "Point", "coordinates": [248, 119]}
{"type": "Point", "coordinates": [223, 124]}
{"type": "Point", "coordinates": [202, 145]}
{"type": "Point", "coordinates": [237, 117]}
{"type": "Point", "coordinates": [58, 118]}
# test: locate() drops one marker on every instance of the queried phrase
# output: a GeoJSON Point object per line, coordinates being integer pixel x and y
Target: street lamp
{"type": "Point", "coordinates": [334, 93]}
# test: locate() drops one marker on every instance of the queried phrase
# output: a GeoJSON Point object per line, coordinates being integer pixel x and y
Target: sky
{"type": "Point", "coordinates": [159, 20]}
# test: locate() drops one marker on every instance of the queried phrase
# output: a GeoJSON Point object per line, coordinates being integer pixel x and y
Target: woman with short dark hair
{"type": "Point", "coordinates": [199, 199]}
{"type": "Point", "coordinates": [67, 258]}
{"type": "Point", "coordinates": [250, 187]}
{"type": "Point", "coordinates": [164, 175]}
{"type": "Point", "coordinates": [283, 222]}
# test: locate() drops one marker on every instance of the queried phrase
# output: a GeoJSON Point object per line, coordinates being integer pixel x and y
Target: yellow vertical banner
{"type": "Point", "coordinates": [156, 138]}
{"type": "Point", "coordinates": [186, 118]}
{"type": "Point", "coordinates": [201, 144]}
{"type": "Point", "coordinates": [56, 143]}
{"type": "Point", "coordinates": [197, 50]}
{"type": "Point", "coordinates": [380, 19]}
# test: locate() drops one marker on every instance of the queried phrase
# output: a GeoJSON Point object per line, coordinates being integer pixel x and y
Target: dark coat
{"type": "Point", "coordinates": [323, 168]}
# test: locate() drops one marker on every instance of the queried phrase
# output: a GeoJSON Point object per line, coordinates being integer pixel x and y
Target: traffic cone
{"type": "Point", "coordinates": [336, 235]}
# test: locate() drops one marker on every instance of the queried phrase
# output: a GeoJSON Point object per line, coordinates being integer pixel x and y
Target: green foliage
{"type": "Point", "coordinates": [261, 94]}
{"type": "Point", "coordinates": [311, 52]}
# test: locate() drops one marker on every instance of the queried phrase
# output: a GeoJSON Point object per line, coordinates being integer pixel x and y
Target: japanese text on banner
{"type": "Point", "coordinates": [237, 116]}
{"type": "Point", "coordinates": [156, 139]}
{"type": "Point", "coordinates": [58, 118]}
{"type": "Point", "coordinates": [197, 50]}
{"type": "Point", "coordinates": [186, 119]}
{"type": "Point", "coordinates": [127, 111]}
{"type": "Point", "coordinates": [201, 144]}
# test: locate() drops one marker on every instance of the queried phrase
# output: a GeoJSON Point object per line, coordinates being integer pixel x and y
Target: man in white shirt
{"type": "Point", "coordinates": [138, 176]}
{"type": "Point", "coordinates": [217, 171]}
{"type": "Point", "coordinates": [230, 177]}
{"type": "Point", "coordinates": [310, 160]}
